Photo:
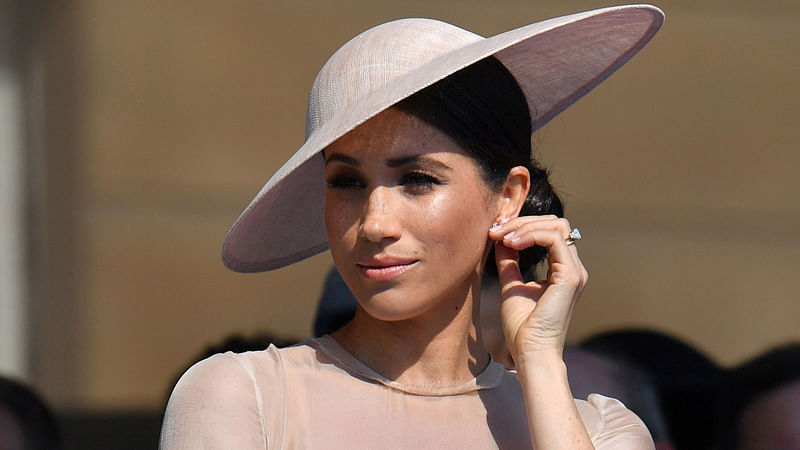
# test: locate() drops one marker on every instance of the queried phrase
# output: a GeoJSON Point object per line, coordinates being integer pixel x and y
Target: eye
{"type": "Point", "coordinates": [419, 182]}
{"type": "Point", "coordinates": [345, 182]}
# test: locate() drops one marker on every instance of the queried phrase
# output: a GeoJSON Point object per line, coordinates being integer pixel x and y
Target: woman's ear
{"type": "Point", "coordinates": [515, 191]}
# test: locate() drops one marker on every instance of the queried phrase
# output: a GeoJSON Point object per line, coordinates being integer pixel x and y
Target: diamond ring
{"type": "Point", "coordinates": [574, 235]}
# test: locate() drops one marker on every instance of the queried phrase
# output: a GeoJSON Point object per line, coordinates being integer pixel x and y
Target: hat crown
{"type": "Point", "coordinates": [375, 58]}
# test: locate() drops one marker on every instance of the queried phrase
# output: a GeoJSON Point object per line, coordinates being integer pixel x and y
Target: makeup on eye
{"type": "Point", "coordinates": [344, 181]}
{"type": "Point", "coordinates": [417, 174]}
{"type": "Point", "coordinates": [419, 181]}
{"type": "Point", "coordinates": [414, 180]}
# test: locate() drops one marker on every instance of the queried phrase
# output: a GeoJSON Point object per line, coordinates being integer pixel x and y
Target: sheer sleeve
{"type": "Point", "coordinates": [612, 426]}
{"type": "Point", "coordinates": [215, 405]}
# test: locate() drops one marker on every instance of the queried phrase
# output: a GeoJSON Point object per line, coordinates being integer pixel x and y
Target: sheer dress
{"type": "Point", "coordinates": [317, 396]}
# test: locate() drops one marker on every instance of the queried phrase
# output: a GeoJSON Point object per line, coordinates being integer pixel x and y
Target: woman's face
{"type": "Point", "coordinates": [407, 214]}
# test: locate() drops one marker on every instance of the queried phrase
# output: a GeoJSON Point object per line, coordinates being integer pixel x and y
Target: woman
{"type": "Point", "coordinates": [416, 167]}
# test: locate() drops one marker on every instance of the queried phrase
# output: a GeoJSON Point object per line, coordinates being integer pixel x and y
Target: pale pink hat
{"type": "Point", "coordinates": [555, 62]}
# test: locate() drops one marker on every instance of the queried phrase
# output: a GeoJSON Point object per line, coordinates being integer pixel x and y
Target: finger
{"type": "Point", "coordinates": [499, 230]}
{"type": "Point", "coordinates": [549, 232]}
{"type": "Point", "coordinates": [520, 237]}
{"type": "Point", "coordinates": [564, 268]}
{"type": "Point", "coordinates": [550, 236]}
{"type": "Point", "coordinates": [507, 261]}
{"type": "Point", "coordinates": [518, 299]}
{"type": "Point", "coordinates": [560, 258]}
{"type": "Point", "coordinates": [522, 225]}
{"type": "Point", "coordinates": [517, 226]}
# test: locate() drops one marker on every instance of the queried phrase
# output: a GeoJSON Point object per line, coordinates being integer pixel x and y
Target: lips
{"type": "Point", "coordinates": [385, 268]}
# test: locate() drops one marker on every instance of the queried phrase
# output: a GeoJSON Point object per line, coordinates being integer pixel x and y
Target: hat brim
{"type": "Point", "coordinates": [555, 62]}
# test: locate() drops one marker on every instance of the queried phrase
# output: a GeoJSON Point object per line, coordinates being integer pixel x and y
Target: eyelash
{"type": "Point", "coordinates": [345, 182]}
{"type": "Point", "coordinates": [416, 182]}
{"type": "Point", "coordinates": [419, 180]}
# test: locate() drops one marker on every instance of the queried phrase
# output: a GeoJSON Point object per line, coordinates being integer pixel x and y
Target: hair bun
{"type": "Point", "coordinates": [542, 200]}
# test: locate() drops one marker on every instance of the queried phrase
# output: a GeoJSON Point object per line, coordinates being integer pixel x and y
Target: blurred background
{"type": "Point", "coordinates": [133, 133]}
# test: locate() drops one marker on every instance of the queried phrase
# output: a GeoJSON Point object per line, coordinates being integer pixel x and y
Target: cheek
{"type": "Point", "coordinates": [340, 220]}
{"type": "Point", "coordinates": [459, 220]}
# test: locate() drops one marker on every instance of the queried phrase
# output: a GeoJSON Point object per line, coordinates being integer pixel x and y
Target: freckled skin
{"type": "Point", "coordinates": [440, 227]}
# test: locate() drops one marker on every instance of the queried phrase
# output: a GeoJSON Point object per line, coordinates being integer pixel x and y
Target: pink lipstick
{"type": "Point", "coordinates": [385, 269]}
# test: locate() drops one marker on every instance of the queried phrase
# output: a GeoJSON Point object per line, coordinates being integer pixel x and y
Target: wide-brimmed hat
{"type": "Point", "coordinates": [555, 62]}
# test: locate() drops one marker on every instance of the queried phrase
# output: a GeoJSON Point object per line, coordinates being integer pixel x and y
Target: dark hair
{"type": "Point", "coordinates": [687, 380]}
{"type": "Point", "coordinates": [484, 110]}
{"type": "Point", "coordinates": [590, 372]}
{"type": "Point", "coordinates": [336, 305]}
{"type": "Point", "coordinates": [751, 381]}
{"type": "Point", "coordinates": [38, 423]}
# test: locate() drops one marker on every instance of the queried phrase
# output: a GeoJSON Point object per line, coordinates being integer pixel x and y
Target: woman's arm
{"type": "Point", "coordinates": [535, 319]}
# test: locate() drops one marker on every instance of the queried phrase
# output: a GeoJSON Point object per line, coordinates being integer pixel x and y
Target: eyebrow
{"type": "Point", "coordinates": [343, 159]}
{"type": "Point", "coordinates": [416, 159]}
{"type": "Point", "coordinates": [392, 162]}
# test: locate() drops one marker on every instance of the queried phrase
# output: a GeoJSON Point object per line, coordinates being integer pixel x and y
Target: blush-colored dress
{"type": "Point", "coordinates": [318, 396]}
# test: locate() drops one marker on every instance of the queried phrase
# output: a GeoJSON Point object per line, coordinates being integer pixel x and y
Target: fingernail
{"type": "Point", "coordinates": [504, 220]}
{"type": "Point", "coordinates": [495, 227]}
{"type": "Point", "coordinates": [508, 235]}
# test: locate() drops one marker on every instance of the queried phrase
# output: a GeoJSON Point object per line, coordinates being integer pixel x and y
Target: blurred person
{"type": "Point", "coordinates": [688, 382]}
{"type": "Point", "coordinates": [760, 408]}
{"type": "Point", "coordinates": [26, 422]}
{"type": "Point", "coordinates": [416, 167]}
{"type": "Point", "coordinates": [238, 343]}
{"type": "Point", "coordinates": [336, 305]}
{"type": "Point", "coordinates": [590, 372]}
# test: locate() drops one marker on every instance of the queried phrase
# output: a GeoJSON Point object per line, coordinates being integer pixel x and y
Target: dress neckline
{"type": "Point", "coordinates": [491, 376]}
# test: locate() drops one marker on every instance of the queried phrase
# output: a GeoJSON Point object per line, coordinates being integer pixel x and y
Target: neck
{"type": "Point", "coordinates": [441, 347]}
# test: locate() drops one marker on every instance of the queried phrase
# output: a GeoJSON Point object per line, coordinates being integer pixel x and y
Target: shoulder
{"type": "Point", "coordinates": [613, 426]}
{"type": "Point", "coordinates": [214, 379]}
{"type": "Point", "coordinates": [220, 401]}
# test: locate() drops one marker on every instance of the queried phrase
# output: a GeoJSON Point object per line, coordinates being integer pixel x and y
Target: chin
{"type": "Point", "coordinates": [390, 305]}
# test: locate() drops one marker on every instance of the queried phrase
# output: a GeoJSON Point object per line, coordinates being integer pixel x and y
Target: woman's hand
{"type": "Point", "coordinates": [536, 315]}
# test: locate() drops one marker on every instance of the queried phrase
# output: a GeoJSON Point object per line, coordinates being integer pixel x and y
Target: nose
{"type": "Point", "coordinates": [378, 220]}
